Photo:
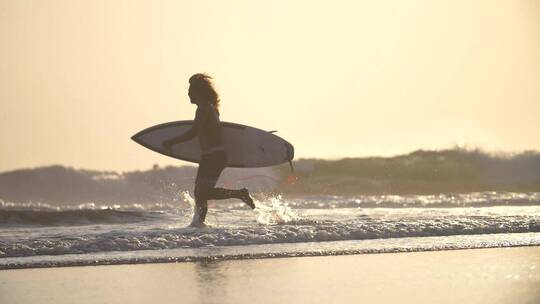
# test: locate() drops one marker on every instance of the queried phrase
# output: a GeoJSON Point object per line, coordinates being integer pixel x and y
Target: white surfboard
{"type": "Point", "coordinates": [246, 147]}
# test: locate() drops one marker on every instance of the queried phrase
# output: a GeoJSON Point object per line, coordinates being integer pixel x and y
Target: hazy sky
{"type": "Point", "coordinates": [335, 78]}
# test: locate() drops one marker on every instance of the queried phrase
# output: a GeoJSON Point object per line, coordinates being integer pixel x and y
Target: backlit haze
{"type": "Point", "coordinates": [335, 78]}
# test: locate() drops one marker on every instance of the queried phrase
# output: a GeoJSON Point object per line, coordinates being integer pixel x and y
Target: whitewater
{"type": "Point", "coordinates": [36, 234]}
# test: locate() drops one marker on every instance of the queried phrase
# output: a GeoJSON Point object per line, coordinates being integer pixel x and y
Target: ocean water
{"type": "Point", "coordinates": [42, 235]}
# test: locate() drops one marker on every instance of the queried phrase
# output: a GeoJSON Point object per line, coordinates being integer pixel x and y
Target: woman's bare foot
{"type": "Point", "coordinates": [196, 224]}
{"type": "Point", "coordinates": [246, 198]}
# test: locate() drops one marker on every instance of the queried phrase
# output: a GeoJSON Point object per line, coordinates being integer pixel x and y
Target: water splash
{"type": "Point", "coordinates": [186, 197]}
{"type": "Point", "coordinates": [275, 212]}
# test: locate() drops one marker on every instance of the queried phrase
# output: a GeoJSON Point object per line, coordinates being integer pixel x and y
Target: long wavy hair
{"type": "Point", "coordinates": [202, 88]}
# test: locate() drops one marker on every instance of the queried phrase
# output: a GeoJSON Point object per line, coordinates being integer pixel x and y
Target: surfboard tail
{"type": "Point", "coordinates": [290, 154]}
{"type": "Point", "coordinates": [290, 151]}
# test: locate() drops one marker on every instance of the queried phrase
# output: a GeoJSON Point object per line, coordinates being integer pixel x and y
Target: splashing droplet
{"type": "Point", "coordinates": [275, 212]}
{"type": "Point", "coordinates": [186, 197]}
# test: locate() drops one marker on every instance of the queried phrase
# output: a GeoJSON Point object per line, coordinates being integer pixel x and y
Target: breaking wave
{"type": "Point", "coordinates": [276, 223]}
{"type": "Point", "coordinates": [72, 217]}
{"type": "Point", "coordinates": [297, 232]}
{"type": "Point", "coordinates": [275, 210]}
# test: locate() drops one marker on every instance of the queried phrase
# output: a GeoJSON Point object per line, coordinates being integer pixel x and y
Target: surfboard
{"type": "Point", "coordinates": [245, 146]}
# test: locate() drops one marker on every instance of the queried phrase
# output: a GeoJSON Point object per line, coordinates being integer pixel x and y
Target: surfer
{"type": "Point", "coordinates": [213, 157]}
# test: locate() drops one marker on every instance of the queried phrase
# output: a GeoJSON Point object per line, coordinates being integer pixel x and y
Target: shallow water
{"type": "Point", "coordinates": [278, 227]}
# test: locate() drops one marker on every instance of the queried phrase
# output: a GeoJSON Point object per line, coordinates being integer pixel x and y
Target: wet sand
{"type": "Point", "coordinates": [499, 275]}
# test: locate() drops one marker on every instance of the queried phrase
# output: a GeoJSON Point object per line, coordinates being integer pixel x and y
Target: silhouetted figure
{"type": "Point", "coordinates": [213, 157]}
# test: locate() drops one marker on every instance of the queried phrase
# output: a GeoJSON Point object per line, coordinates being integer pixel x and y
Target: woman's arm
{"type": "Point", "coordinates": [200, 115]}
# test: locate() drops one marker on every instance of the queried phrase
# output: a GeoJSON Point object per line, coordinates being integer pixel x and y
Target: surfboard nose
{"type": "Point", "coordinates": [136, 137]}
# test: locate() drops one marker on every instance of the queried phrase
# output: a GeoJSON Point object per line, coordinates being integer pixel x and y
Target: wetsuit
{"type": "Point", "coordinates": [213, 161]}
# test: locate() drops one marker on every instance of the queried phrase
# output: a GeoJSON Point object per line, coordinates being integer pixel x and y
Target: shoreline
{"type": "Point", "coordinates": [489, 275]}
{"type": "Point", "coordinates": [272, 251]}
